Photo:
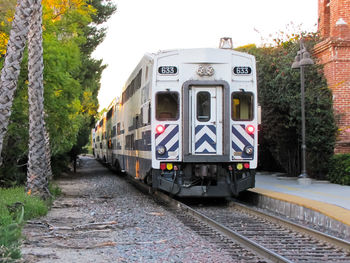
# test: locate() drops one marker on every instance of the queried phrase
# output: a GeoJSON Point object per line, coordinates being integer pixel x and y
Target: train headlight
{"type": "Point", "coordinates": [249, 150]}
{"type": "Point", "coordinates": [161, 149]}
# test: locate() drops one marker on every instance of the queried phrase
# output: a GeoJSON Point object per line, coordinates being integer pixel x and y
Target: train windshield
{"type": "Point", "coordinates": [167, 106]}
{"type": "Point", "coordinates": [242, 106]}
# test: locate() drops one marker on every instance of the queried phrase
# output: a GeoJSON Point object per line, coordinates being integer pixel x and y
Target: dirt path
{"type": "Point", "coordinates": [102, 218]}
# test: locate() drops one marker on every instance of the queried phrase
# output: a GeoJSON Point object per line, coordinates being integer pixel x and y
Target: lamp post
{"type": "Point", "coordinates": [301, 60]}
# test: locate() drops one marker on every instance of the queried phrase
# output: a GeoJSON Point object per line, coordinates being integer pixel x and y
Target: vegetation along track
{"type": "Point", "coordinates": [249, 235]}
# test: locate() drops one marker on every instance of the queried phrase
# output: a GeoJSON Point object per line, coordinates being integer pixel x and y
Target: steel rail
{"type": "Point", "coordinates": [253, 246]}
{"type": "Point", "coordinates": [296, 227]}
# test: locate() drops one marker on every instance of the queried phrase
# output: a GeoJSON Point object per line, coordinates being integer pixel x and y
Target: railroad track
{"type": "Point", "coordinates": [249, 235]}
{"type": "Point", "coordinates": [293, 242]}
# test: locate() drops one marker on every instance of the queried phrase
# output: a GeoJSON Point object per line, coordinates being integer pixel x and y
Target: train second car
{"type": "Point", "coordinates": [186, 123]}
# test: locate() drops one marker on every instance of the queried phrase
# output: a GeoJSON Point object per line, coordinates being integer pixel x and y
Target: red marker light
{"type": "Point", "coordinates": [162, 166]}
{"type": "Point", "coordinates": [160, 129]}
{"type": "Point", "coordinates": [250, 129]}
{"type": "Point", "coordinates": [246, 165]}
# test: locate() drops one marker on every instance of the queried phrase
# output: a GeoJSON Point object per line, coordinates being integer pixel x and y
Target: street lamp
{"type": "Point", "coordinates": [301, 60]}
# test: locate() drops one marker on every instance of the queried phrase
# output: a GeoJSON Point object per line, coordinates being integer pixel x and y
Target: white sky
{"type": "Point", "coordinates": [141, 26]}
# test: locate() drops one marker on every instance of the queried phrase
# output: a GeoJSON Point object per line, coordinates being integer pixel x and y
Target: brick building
{"type": "Point", "coordinates": [334, 53]}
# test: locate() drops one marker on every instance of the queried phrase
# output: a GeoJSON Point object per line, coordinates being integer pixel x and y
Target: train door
{"type": "Point", "coordinates": [205, 117]}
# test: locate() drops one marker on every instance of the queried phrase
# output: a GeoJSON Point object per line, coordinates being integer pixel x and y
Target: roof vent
{"type": "Point", "coordinates": [226, 43]}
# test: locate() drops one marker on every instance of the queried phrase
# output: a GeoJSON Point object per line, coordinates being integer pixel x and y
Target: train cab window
{"type": "Point", "coordinates": [167, 106]}
{"type": "Point", "coordinates": [242, 106]}
{"type": "Point", "coordinates": [203, 106]}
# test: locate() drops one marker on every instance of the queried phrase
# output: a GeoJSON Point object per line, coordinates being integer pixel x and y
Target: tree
{"type": "Point", "coordinates": [279, 97]}
{"type": "Point", "coordinates": [12, 64]}
{"type": "Point", "coordinates": [90, 73]}
{"type": "Point", "coordinates": [6, 17]}
{"type": "Point", "coordinates": [71, 80]}
{"type": "Point", "coordinates": [38, 159]}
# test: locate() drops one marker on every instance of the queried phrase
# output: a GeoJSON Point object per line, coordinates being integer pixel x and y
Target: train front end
{"type": "Point", "coordinates": [204, 122]}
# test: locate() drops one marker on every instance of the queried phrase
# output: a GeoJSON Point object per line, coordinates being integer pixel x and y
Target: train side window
{"type": "Point", "coordinates": [167, 106]}
{"type": "Point", "coordinates": [203, 106]}
{"type": "Point", "coordinates": [118, 128]}
{"type": "Point", "coordinates": [146, 74]}
{"type": "Point", "coordinates": [242, 106]}
{"type": "Point", "coordinates": [149, 113]}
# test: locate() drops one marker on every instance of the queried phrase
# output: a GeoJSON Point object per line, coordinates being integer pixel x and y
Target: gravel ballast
{"type": "Point", "coordinates": [100, 217]}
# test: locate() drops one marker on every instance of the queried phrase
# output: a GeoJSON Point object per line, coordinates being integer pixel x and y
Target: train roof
{"type": "Point", "coordinates": [192, 55]}
{"type": "Point", "coordinates": [198, 51]}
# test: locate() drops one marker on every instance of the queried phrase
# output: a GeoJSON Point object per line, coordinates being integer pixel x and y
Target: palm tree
{"type": "Point", "coordinates": [28, 17]}
{"type": "Point", "coordinates": [49, 173]}
{"type": "Point", "coordinates": [12, 63]}
{"type": "Point", "coordinates": [37, 180]}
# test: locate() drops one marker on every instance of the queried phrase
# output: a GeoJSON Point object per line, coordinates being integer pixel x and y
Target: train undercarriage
{"type": "Point", "coordinates": [202, 180]}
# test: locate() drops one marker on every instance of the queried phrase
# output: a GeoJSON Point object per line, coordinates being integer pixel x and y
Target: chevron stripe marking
{"type": "Point", "coordinates": [205, 130]}
{"type": "Point", "coordinates": [240, 137]}
{"type": "Point", "coordinates": [205, 147]}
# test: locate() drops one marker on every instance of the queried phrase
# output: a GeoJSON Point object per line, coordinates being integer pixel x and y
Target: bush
{"type": "Point", "coordinates": [16, 207]}
{"type": "Point", "coordinates": [10, 234]}
{"type": "Point", "coordinates": [279, 96]}
{"type": "Point", "coordinates": [339, 169]}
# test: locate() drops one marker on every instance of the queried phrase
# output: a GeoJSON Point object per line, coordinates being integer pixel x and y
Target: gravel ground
{"type": "Point", "coordinates": [102, 218]}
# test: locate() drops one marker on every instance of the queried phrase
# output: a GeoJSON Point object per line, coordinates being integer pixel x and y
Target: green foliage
{"type": "Point", "coordinates": [60, 163]}
{"type": "Point", "coordinates": [16, 207]}
{"type": "Point", "coordinates": [104, 10]}
{"type": "Point", "coordinates": [279, 97]}
{"type": "Point", "coordinates": [62, 92]}
{"type": "Point", "coordinates": [55, 190]}
{"type": "Point", "coordinates": [339, 169]}
{"type": "Point", "coordinates": [33, 206]}
{"type": "Point", "coordinates": [16, 140]}
{"type": "Point", "coordinates": [71, 84]}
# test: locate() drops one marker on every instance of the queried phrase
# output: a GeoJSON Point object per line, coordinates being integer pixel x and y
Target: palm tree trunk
{"type": "Point", "coordinates": [49, 173]}
{"type": "Point", "coordinates": [37, 181]}
{"type": "Point", "coordinates": [12, 63]}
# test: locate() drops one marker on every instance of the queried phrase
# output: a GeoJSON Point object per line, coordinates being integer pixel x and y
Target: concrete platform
{"type": "Point", "coordinates": [320, 203]}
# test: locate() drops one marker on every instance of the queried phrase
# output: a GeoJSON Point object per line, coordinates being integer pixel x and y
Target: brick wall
{"type": "Point", "coordinates": [324, 17]}
{"type": "Point", "coordinates": [334, 53]}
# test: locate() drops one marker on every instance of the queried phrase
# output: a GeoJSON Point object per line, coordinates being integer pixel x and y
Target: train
{"type": "Point", "coordinates": [185, 123]}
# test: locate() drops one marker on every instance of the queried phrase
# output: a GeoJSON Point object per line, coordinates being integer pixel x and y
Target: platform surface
{"type": "Point", "coordinates": [330, 199]}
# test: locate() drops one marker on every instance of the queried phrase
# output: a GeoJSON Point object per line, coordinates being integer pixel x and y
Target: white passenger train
{"type": "Point", "coordinates": [186, 123]}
